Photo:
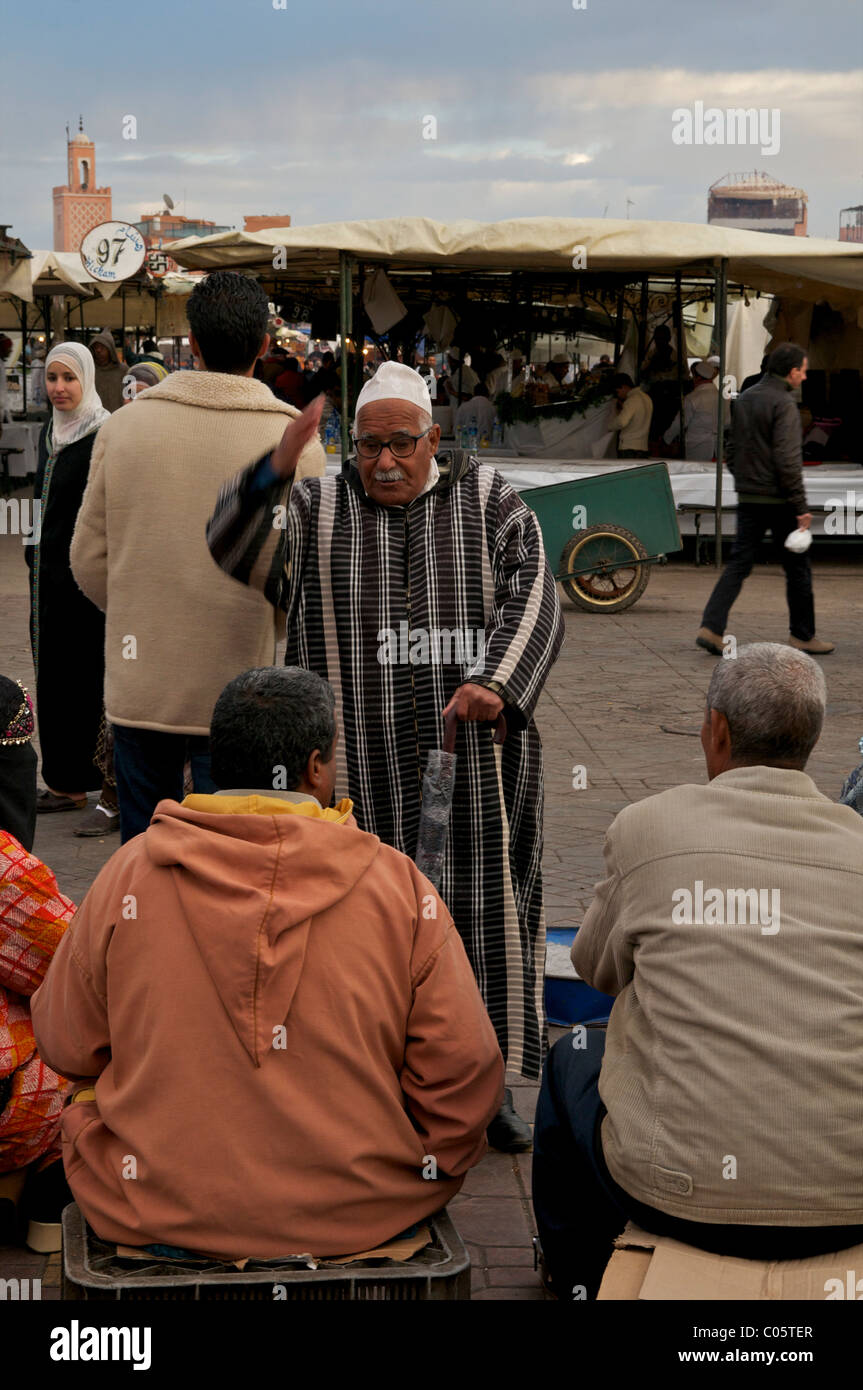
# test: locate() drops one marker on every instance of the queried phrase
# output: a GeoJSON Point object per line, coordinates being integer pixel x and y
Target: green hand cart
{"type": "Point", "coordinates": [602, 533]}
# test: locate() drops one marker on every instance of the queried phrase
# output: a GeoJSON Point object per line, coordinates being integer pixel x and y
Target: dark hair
{"type": "Point", "coordinates": [228, 314]}
{"type": "Point", "coordinates": [291, 364]}
{"type": "Point", "coordinates": [328, 357]}
{"type": "Point", "coordinates": [662, 332]}
{"type": "Point", "coordinates": [784, 358]}
{"type": "Point", "coordinates": [621, 379]}
{"type": "Point", "coordinates": [480, 389]}
{"type": "Point", "coordinates": [267, 723]}
{"type": "Point", "coordinates": [150, 345]}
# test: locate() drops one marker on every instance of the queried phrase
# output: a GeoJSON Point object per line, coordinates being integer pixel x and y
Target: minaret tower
{"type": "Point", "coordinates": [79, 204]}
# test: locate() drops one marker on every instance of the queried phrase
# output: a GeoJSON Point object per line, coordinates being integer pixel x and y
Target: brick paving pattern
{"type": "Point", "coordinates": [618, 682]}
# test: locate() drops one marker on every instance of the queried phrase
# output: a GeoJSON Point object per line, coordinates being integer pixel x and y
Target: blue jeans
{"type": "Point", "coordinates": [579, 1208]}
{"type": "Point", "coordinates": [149, 769]}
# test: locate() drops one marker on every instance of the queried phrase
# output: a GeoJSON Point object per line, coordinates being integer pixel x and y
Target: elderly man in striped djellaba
{"type": "Point", "coordinates": [416, 586]}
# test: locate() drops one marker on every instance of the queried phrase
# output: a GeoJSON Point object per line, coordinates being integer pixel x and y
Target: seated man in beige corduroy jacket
{"type": "Point", "coordinates": [729, 1110]}
{"type": "Point", "coordinates": [177, 629]}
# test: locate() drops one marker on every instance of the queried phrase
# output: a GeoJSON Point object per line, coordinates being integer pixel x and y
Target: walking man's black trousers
{"type": "Point", "coordinates": [754, 519]}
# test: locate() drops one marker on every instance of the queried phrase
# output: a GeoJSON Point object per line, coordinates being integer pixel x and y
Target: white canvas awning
{"type": "Point", "coordinates": [128, 304]}
{"type": "Point", "coordinates": [15, 277]}
{"type": "Point", "coordinates": [800, 267]}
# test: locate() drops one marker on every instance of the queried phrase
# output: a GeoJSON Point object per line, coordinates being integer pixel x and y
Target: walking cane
{"type": "Point", "coordinates": [437, 794]}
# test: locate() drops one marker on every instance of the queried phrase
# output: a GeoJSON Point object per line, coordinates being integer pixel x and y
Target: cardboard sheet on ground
{"type": "Point", "coordinates": [401, 1250]}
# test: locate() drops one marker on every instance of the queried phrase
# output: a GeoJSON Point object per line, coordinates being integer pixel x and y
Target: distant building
{"type": "Point", "coordinates": [262, 222]}
{"type": "Point", "coordinates": [79, 205]}
{"type": "Point", "coordinates": [757, 203]}
{"type": "Point", "coordinates": [158, 228]}
{"type": "Point", "coordinates": [851, 224]}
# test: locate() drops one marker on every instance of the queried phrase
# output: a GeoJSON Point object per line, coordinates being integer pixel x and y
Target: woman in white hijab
{"type": "Point", "coordinates": [67, 631]}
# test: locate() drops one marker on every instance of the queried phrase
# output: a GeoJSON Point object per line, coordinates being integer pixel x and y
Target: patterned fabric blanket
{"type": "Point", "coordinates": [33, 917]}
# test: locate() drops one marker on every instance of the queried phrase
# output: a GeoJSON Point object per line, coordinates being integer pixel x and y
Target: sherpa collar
{"type": "Point", "coordinates": [217, 391]}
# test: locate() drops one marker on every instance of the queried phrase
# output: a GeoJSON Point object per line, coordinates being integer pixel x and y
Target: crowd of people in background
{"type": "Point", "coordinates": [644, 410]}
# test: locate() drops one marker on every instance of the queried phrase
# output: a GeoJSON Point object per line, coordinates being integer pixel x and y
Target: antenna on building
{"type": "Point", "coordinates": [67, 132]}
{"type": "Point", "coordinates": [629, 204]}
{"type": "Point", "coordinates": [81, 124]}
{"type": "Point", "coordinates": [168, 201]}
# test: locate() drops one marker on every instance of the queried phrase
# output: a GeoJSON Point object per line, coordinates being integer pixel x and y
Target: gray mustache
{"type": "Point", "coordinates": [389, 475]}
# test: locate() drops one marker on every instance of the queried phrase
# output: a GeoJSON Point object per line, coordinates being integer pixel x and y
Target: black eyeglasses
{"type": "Point", "coordinates": [401, 446]}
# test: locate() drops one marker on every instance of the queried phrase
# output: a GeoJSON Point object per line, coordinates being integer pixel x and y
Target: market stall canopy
{"type": "Point", "coordinates": [15, 260]}
{"type": "Point", "coordinates": [801, 267]}
{"type": "Point", "coordinates": [58, 272]}
{"type": "Point", "coordinates": [125, 304]}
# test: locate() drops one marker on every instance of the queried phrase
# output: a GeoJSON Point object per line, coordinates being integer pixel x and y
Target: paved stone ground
{"type": "Point", "coordinates": [618, 682]}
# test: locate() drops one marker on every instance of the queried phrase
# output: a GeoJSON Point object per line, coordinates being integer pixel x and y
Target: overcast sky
{"type": "Point", "coordinates": [317, 110]}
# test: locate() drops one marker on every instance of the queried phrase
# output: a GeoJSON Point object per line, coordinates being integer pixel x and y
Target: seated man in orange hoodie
{"type": "Point", "coordinates": [281, 1041]}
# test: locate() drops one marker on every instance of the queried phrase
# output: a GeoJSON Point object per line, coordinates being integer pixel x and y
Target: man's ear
{"type": "Point", "coordinates": [264, 348]}
{"type": "Point", "coordinates": [314, 770]}
{"type": "Point", "coordinates": [194, 349]}
{"type": "Point", "coordinates": [720, 736]}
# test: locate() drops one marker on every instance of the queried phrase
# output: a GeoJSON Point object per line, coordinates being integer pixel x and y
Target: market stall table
{"type": "Point", "coordinates": [23, 436]}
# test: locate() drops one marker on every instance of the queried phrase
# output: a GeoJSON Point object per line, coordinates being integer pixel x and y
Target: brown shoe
{"type": "Point", "coordinates": [99, 822]}
{"type": "Point", "coordinates": [815, 647]}
{"type": "Point", "coordinates": [710, 641]}
{"type": "Point", "coordinates": [49, 802]}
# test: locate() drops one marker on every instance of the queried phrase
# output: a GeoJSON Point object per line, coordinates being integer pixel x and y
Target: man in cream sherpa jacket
{"type": "Point", "coordinates": [177, 627]}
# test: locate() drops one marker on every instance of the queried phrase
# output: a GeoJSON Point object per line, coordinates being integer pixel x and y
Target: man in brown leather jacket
{"type": "Point", "coordinates": [765, 459]}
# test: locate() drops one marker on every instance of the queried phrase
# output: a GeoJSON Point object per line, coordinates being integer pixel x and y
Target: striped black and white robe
{"type": "Point", "coordinates": [376, 599]}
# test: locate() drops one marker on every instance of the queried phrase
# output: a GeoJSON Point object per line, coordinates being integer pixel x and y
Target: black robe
{"type": "Point", "coordinates": [67, 631]}
{"type": "Point", "coordinates": [377, 600]}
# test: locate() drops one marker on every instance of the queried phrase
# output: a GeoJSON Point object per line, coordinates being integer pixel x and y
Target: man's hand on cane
{"type": "Point", "coordinates": [304, 427]}
{"type": "Point", "coordinates": [475, 702]}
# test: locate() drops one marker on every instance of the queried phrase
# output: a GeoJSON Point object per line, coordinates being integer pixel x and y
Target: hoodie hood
{"type": "Point", "coordinates": [106, 338]}
{"type": "Point", "coordinates": [250, 875]}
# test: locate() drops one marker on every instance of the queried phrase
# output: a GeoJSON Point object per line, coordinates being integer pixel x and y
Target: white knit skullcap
{"type": "Point", "coordinates": [395, 381]}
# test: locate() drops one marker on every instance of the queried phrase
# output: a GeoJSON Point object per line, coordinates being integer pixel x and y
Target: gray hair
{"type": "Point", "coordinates": [267, 718]}
{"type": "Point", "coordinates": [774, 699]}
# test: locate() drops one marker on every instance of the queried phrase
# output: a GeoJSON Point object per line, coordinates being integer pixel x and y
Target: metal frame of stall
{"type": "Point", "coordinates": [43, 308]}
{"type": "Point", "coordinates": [720, 332]}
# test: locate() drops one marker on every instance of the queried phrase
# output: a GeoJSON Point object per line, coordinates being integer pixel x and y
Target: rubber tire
{"type": "Point", "coordinates": [593, 604]}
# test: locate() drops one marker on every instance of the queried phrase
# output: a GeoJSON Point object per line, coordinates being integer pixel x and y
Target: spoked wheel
{"type": "Point", "coordinates": [605, 569]}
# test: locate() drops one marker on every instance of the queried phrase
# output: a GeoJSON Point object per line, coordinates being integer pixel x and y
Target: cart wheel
{"type": "Point", "coordinates": [613, 576]}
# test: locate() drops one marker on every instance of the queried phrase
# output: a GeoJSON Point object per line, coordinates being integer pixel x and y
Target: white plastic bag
{"type": "Point", "coordinates": [799, 541]}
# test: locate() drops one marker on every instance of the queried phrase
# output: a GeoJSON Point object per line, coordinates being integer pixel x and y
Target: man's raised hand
{"type": "Point", "coordinates": [286, 455]}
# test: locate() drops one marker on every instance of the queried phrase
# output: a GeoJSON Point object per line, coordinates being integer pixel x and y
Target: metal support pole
{"type": "Point", "coordinates": [45, 310]}
{"type": "Point", "coordinates": [618, 326]}
{"type": "Point", "coordinates": [642, 325]}
{"type": "Point", "coordinates": [720, 327]}
{"type": "Point", "coordinates": [680, 334]}
{"type": "Point", "coordinates": [345, 308]}
{"type": "Point", "coordinates": [360, 326]}
{"type": "Point", "coordinates": [24, 335]}
{"type": "Point", "coordinates": [528, 339]}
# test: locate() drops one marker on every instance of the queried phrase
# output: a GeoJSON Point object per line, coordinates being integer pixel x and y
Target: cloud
{"type": "Point", "coordinates": [510, 132]}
